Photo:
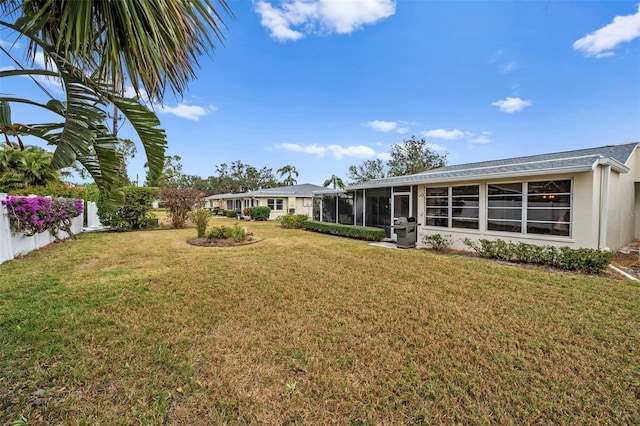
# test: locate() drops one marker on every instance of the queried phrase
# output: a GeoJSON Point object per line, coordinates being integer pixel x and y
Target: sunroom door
{"type": "Point", "coordinates": [401, 207]}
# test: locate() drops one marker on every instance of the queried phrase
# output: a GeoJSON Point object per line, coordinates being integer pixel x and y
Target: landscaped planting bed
{"type": "Point", "coordinates": [307, 328]}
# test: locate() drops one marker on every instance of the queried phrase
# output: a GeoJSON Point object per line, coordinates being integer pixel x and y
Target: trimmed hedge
{"type": "Point", "coordinates": [588, 260]}
{"type": "Point", "coordinates": [230, 214]}
{"type": "Point", "coordinates": [260, 212]}
{"type": "Point", "coordinates": [292, 221]}
{"type": "Point", "coordinates": [351, 231]}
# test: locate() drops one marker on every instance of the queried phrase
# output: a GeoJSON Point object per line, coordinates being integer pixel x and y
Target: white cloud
{"type": "Point", "coordinates": [436, 147]}
{"type": "Point", "coordinates": [382, 126]}
{"type": "Point", "coordinates": [184, 110]}
{"type": "Point", "coordinates": [601, 42]}
{"type": "Point", "coordinates": [510, 105]}
{"type": "Point", "coordinates": [7, 68]}
{"type": "Point", "coordinates": [480, 140]}
{"type": "Point", "coordinates": [10, 45]}
{"type": "Point", "coordinates": [296, 18]}
{"type": "Point", "coordinates": [508, 67]}
{"type": "Point", "coordinates": [388, 126]}
{"type": "Point", "coordinates": [338, 152]}
{"type": "Point", "coordinates": [384, 156]}
{"type": "Point", "coordinates": [444, 134]}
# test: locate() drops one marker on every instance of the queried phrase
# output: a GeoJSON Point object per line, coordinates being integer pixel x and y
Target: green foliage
{"type": "Point", "coordinates": [413, 156]}
{"type": "Point", "coordinates": [215, 232]}
{"type": "Point", "coordinates": [368, 170]}
{"type": "Point", "coordinates": [180, 202]}
{"type": "Point", "coordinates": [236, 232]}
{"type": "Point", "coordinates": [358, 232]}
{"type": "Point", "coordinates": [201, 218]}
{"type": "Point", "coordinates": [22, 169]}
{"type": "Point", "coordinates": [291, 221]}
{"type": "Point", "coordinates": [260, 212]}
{"type": "Point", "coordinates": [230, 213]}
{"type": "Point", "coordinates": [438, 242]}
{"type": "Point", "coordinates": [57, 189]}
{"type": "Point", "coordinates": [582, 259]}
{"type": "Point", "coordinates": [135, 213]}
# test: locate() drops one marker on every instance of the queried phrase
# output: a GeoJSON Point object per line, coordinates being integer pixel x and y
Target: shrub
{"type": "Point", "coordinates": [438, 242]}
{"type": "Point", "coordinates": [292, 221]}
{"type": "Point", "coordinates": [201, 219]}
{"type": "Point", "coordinates": [260, 212]}
{"type": "Point", "coordinates": [359, 232]}
{"type": "Point", "coordinates": [230, 213]}
{"type": "Point", "coordinates": [588, 260]}
{"type": "Point", "coordinates": [236, 233]}
{"type": "Point", "coordinates": [216, 232]}
{"type": "Point", "coordinates": [180, 202]}
{"type": "Point", "coordinates": [32, 215]}
{"type": "Point", "coordinates": [135, 211]}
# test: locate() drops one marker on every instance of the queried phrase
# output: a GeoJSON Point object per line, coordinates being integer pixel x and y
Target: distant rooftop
{"type": "Point", "coordinates": [302, 190]}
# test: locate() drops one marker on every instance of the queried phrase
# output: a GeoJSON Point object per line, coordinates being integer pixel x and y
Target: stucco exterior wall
{"type": "Point", "coordinates": [585, 213]}
{"type": "Point", "coordinates": [627, 211]}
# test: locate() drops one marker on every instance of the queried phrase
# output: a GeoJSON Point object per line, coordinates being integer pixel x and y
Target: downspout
{"type": "Point", "coordinates": [605, 178]}
{"type": "Point", "coordinates": [364, 206]}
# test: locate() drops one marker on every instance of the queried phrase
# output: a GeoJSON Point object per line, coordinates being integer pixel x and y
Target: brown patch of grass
{"type": "Point", "coordinates": [309, 328]}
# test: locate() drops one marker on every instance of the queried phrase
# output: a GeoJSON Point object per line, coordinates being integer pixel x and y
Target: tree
{"type": "Point", "coordinates": [95, 48]}
{"type": "Point", "coordinates": [289, 171]}
{"type": "Point", "coordinates": [413, 156]}
{"type": "Point", "coordinates": [180, 202]}
{"type": "Point", "coordinates": [171, 173]}
{"type": "Point", "coordinates": [22, 169]}
{"type": "Point", "coordinates": [370, 169]}
{"type": "Point", "coordinates": [335, 181]}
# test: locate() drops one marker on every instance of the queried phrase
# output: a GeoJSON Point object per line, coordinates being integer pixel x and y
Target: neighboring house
{"type": "Point", "coordinates": [293, 199]}
{"type": "Point", "coordinates": [585, 198]}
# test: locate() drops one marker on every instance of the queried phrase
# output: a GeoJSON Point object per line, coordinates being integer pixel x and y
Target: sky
{"type": "Point", "coordinates": [325, 84]}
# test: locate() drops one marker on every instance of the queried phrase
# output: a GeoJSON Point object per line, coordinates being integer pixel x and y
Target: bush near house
{"type": "Point", "coordinates": [358, 232]}
{"type": "Point", "coordinates": [292, 221]}
{"type": "Point", "coordinates": [587, 260]}
{"type": "Point", "coordinates": [260, 212]}
{"type": "Point", "coordinates": [230, 214]}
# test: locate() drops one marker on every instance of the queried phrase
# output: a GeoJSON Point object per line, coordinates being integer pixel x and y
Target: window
{"type": "Point", "coordinates": [544, 206]}
{"type": "Point", "coordinates": [549, 207]}
{"type": "Point", "coordinates": [504, 207]}
{"type": "Point", "coordinates": [453, 206]}
{"type": "Point", "coordinates": [275, 203]}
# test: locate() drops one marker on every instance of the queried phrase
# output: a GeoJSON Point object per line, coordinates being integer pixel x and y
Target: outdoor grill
{"type": "Point", "coordinates": [405, 228]}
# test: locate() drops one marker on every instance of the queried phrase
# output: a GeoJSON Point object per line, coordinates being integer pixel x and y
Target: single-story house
{"type": "Point", "coordinates": [293, 199]}
{"type": "Point", "coordinates": [584, 198]}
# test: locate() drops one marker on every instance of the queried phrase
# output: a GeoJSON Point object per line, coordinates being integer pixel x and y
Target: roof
{"type": "Point", "coordinates": [582, 160]}
{"type": "Point", "coordinates": [302, 190]}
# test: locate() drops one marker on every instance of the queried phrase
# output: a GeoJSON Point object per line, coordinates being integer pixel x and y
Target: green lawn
{"type": "Point", "coordinates": [303, 328]}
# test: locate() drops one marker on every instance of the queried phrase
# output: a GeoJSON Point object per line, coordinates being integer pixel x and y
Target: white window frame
{"type": "Point", "coordinates": [274, 202]}
{"type": "Point", "coordinates": [450, 198]}
{"type": "Point", "coordinates": [524, 209]}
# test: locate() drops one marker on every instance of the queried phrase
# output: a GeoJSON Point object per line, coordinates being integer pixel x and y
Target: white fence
{"type": "Point", "coordinates": [12, 245]}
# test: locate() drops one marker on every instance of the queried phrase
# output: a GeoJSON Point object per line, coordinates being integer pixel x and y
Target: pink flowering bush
{"type": "Point", "coordinates": [32, 215]}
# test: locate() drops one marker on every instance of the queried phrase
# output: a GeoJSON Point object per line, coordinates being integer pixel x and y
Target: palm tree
{"type": "Point", "coordinates": [289, 171]}
{"type": "Point", "coordinates": [335, 181]}
{"type": "Point", "coordinates": [22, 169]}
{"type": "Point", "coordinates": [95, 48]}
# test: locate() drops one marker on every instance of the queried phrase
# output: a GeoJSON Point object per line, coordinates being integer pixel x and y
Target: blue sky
{"type": "Point", "coordinates": [325, 84]}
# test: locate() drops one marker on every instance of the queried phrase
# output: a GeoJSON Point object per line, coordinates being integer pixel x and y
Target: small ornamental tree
{"type": "Point", "coordinates": [32, 215]}
{"type": "Point", "coordinates": [180, 202]}
{"type": "Point", "coordinates": [135, 211]}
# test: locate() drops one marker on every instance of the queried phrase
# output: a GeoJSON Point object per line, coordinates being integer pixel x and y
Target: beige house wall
{"type": "Point", "coordinates": [585, 214]}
